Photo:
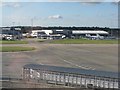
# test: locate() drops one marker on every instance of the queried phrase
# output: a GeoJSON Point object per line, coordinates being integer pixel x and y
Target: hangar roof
{"type": "Point", "coordinates": [72, 70]}
{"type": "Point", "coordinates": [88, 32]}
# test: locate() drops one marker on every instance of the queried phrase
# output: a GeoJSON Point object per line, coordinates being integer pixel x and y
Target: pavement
{"type": "Point", "coordinates": [86, 56]}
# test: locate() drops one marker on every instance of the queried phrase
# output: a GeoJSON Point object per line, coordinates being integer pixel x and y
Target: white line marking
{"type": "Point", "coordinates": [83, 67]}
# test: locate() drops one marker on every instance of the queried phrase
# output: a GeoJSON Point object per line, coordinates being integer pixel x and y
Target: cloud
{"type": "Point", "coordinates": [77, 0]}
{"type": "Point", "coordinates": [116, 0]}
{"type": "Point", "coordinates": [95, 1]}
{"type": "Point", "coordinates": [9, 4]}
{"type": "Point", "coordinates": [60, 0]}
{"type": "Point", "coordinates": [55, 17]}
{"type": "Point", "coordinates": [11, 0]}
{"type": "Point", "coordinates": [24, 0]}
{"type": "Point", "coordinates": [87, 2]}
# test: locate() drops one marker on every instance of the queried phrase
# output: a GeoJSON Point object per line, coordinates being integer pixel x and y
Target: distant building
{"type": "Point", "coordinates": [74, 34]}
{"type": "Point", "coordinates": [67, 33]}
{"type": "Point", "coordinates": [42, 35]}
{"type": "Point", "coordinates": [98, 34]}
{"type": "Point", "coordinates": [10, 33]}
{"type": "Point", "coordinates": [46, 34]}
{"type": "Point", "coordinates": [34, 33]}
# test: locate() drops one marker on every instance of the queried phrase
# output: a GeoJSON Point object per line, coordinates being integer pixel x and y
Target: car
{"type": "Point", "coordinates": [9, 37]}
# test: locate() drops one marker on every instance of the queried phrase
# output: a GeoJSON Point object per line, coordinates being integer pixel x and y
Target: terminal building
{"type": "Point", "coordinates": [70, 77]}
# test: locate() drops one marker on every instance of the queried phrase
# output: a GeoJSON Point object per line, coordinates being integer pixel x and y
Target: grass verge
{"type": "Point", "coordinates": [15, 48]}
{"type": "Point", "coordinates": [41, 40]}
{"type": "Point", "coordinates": [13, 42]}
{"type": "Point", "coordinates": [83, 41]}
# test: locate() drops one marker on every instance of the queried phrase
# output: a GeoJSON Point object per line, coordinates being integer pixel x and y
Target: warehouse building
{"type": "Point", "coordinates": [70, 77]}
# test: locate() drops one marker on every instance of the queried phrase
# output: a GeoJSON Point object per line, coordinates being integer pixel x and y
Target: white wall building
{"type": "Point", "coordinates": [99, 34]}
{"type": "Point", "coordinates": [89, 32]}
{"type": "Point", "coordinates": [48, 32]}
{"type": "Point", "coordinates": [34, 33]}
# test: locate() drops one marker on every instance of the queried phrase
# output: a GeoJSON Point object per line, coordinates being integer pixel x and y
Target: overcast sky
{"type": "Point", "coordinates": [101, 14]}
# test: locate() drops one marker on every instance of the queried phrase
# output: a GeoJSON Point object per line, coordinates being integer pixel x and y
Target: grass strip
{"type": "Point", "coordinates": [13, 42]}
{"type": "Point", "coordinates": [15, 48]}
{"type": "Point", "coordinates": [83, 41]}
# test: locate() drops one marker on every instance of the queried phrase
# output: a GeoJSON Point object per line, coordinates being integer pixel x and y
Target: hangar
{"type": "Point", "coordinates": [98, 34]}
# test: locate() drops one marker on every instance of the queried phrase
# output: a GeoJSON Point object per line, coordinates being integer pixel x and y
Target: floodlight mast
{"type": "Point", "coordinates": [31, 24]}
{"type": "Point", "coordinates": [13, 30]}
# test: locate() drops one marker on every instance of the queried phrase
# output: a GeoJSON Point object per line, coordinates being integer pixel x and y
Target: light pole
{"type": "Point", "coordinates": [13, 23]}
{"type": "Point", "coordinates": [13, 31]}
{"type": "Point", "coordinates": [31, 24]}
{"type": "Point", "coordinates": [32, 21]}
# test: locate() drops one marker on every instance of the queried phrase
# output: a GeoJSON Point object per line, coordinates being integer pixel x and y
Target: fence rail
{"type": "Point", "coordinates": [9, 82]}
